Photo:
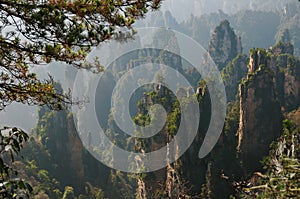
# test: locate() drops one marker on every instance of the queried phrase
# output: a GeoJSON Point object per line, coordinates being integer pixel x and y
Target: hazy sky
{"type": "Point", "coordinates": [182, 9]}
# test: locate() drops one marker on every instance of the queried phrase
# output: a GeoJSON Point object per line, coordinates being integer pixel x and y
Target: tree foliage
{"type": "Point", "coordinates": [39, 31]}
{"type": "Point", "coordinates": [11, 142]}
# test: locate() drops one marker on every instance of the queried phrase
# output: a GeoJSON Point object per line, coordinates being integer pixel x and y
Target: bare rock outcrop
{"type": "Point", "coordinates": [260, 113]}
{"type": "Point", "coordinates": [224, 45]}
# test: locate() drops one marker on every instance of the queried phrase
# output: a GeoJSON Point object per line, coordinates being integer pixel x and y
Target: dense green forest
{"type": "Point", "coordinates": [257, 154]}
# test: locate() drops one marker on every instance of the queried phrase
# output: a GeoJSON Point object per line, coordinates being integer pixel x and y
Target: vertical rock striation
{"type": "Point", "coordinates": [260, 113]}
{"type": "Point", "coordinates": [224, 45]}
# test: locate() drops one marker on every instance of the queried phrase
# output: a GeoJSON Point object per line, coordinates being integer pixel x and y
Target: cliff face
{"type": "Point", "coordinates": [271, 86]}
{"type": "Point", "coordinates": [56, 130]}
{"type": "Point", "coordinates": [75, 148]}
{"type": "Point", "coordinates": [233, 73]}
{"type": "Point", "coordinates": [260, 114]}
{"type": "Point", "coordinates": [224, 45]}
{"type": "Point", "coordinates": [287, 69]}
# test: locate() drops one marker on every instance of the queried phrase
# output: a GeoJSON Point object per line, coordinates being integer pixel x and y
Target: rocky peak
{"type": "Point", "coordinates": [224, 44]}
{"type": "Point", "coordinates": [285, 36]}
{"type": "Point", "coordinates": [287, 70]}
{"type": "Point", "coordinates": [271, 86]}
{"type": "Point", "coordinates": [233, 73]}
{"type": "Point", "coordinates": [257, 57]}
{"type": "Point", "coordinates": [56, 131]}
{"type": "Point", "coordinates": [283, 48]}
{"type": "Point", "coordinates": [260, 112]}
